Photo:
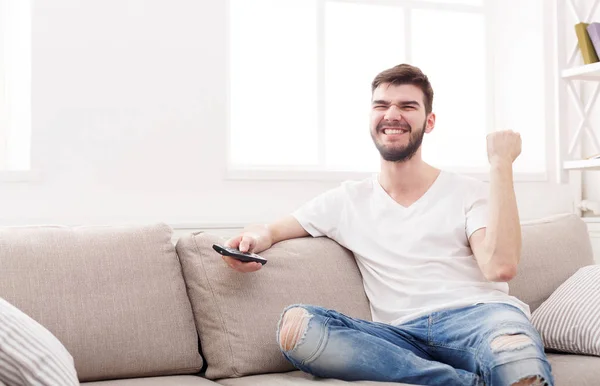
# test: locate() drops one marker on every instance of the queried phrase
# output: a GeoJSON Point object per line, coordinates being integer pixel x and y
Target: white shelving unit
{"type": "Point", "coordinates": [571, 160]}
{"type": "Point", "coordinates": [577, 90]}
{"type": "Point", "coordinates": [585, 72]}
{"type": "Point", "coordinates": [585, 164]}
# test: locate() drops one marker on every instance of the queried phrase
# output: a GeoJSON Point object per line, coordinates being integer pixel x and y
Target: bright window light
{"type": "Point", "coordinates": [301, 71]}
{"type": "Point", "coordinates": [15, 84]}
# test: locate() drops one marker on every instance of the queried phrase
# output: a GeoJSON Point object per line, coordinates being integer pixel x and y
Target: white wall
{"type": "Point", "coordinates": [129, 122]}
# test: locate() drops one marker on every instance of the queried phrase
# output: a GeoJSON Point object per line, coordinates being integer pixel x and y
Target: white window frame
{"type": "Point", "coordinates": [3, 93]}
{"type": "Point", "coordinates": [318, 173]}
{"type": "Point", "coordinates": [15, 133]}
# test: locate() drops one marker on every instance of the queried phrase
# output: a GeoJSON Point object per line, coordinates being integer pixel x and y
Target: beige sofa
{"type": "Point", "coordinates": [134, 309]}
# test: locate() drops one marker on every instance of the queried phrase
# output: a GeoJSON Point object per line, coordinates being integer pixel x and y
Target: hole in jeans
{"type": "Point", "coordinates": [510, 342]}
{"type": "Point", "coordinates": [293, 326]}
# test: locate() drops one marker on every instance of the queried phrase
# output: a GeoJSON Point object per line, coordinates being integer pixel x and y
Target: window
{"type": "Point", "coordinates": [15, 84]}
{"type": "Point", "coordinates": [300, 76]}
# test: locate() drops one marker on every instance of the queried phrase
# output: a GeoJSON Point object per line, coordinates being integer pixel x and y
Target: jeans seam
{"type": "Point", "coordinates": [323, 339]}
{"type": "Point", "coordinates": [436, 316]}
{"type": "Point", "coordinates": [532, 356]}
{"type": "Point", "coordinates": [429, 335]}
{"type": "Point", "coordinates": [462, 349]}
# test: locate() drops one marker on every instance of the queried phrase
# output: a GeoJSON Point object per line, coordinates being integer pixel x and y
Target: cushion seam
{"type": "Point", "coordinates": [218, 310]}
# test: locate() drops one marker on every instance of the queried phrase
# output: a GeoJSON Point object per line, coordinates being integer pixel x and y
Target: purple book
{"type": "Point", "coordinates": [594, 32]}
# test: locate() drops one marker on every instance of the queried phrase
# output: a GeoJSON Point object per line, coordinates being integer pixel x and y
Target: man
{"type": "Point", "coordinates": [435, 250]}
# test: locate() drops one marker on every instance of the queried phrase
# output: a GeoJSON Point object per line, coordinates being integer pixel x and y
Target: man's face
{"type": "Point", "coordinates": [399, 121]}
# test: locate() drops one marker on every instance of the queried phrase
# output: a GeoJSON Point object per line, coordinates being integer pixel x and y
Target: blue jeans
{"type": "Point", "coordinates": [450, 347]}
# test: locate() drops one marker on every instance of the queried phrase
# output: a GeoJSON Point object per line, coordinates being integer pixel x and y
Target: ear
{"type": "Point", "coordinates": [430, 123]}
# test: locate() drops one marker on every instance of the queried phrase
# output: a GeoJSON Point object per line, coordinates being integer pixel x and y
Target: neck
{"type": "Point", "coordinates": [408, 176]}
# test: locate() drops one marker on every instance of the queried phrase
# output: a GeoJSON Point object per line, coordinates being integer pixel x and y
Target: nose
{"type": "Point", "coordinates": [393, 113]}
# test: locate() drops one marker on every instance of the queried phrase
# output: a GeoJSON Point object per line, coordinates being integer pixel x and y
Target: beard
{"type": "Point", "coordinates": [399, 153]}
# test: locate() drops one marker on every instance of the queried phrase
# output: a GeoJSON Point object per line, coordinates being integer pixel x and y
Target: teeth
{"type": "Point", "coordinates": [394, 131]}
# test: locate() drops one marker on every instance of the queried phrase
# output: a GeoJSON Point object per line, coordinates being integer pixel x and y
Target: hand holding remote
{"type": "Point", "coordinates": [245, 242]}
{"type": "Point", "coordinates": [245, 257]}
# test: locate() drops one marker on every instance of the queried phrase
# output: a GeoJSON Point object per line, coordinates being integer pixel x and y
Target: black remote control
{"type": "Point", "coordinates": [241, 256]}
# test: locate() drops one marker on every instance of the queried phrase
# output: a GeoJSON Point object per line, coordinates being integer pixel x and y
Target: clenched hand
{"type": "Point", "coordinates": [503, 146]}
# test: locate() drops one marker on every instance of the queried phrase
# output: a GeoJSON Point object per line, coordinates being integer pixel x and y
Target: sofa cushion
{"type": "Point", "coordinates": [553, 249]}
{"type": "Point", "coordinates": [567, 370]}
{"type": "Point", "coordinates": [297, 378]}
{"type": "Point", "coordinates": [29, 353]}
{"type": "Point", "coordinates": [569, 321]}
{"type": "Point", "coordinates": [580, 370]}
{"type": "Point", "coordinates": [114, 296]}
{"type": "Point", "coordinates": [237, 314]}
{"type": "Point", "coordinates": [173, 380]}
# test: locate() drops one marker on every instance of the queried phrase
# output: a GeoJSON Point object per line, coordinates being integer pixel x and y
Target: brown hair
{"type": "Point", "coordinates": [406, 74]}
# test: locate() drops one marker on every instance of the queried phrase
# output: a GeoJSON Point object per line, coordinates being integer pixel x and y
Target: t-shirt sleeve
{"type": "Point", "coordinates": [321, 215]}
{"type": "Point", "coordinates": [477, 207]}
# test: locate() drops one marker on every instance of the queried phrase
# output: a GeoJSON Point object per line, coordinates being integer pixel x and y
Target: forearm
{"type": "Point", "coordinates": [503, 232]}
{"type": "Point", "coordinates": [268, 234]}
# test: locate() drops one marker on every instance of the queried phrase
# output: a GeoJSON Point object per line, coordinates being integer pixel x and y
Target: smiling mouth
{"type": "Point", "coordinates": [394, 131]}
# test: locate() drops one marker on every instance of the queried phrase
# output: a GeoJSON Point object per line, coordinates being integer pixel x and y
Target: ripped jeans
{"type": "Point", "coordinates": [486, 344]}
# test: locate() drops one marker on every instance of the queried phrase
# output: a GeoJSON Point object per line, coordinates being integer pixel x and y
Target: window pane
{"type": "Point", "coordinates": [273, 87]}
{"type": "Point", "coordinates": [3, 91]}
{"type": "Point", "coordinates": [450, 49]}
{"type": "Point", "coordinates": [519, 79]}
{"type": "Point", "coordinates": [360, 41]}
{"type": "Point", "coordinates": [15, 84]}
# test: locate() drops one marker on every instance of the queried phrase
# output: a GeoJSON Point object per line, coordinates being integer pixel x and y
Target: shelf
{"type": "Point", "coordinates": [585, 72]}
{"type": "Point", "coordinates": [584, 164]}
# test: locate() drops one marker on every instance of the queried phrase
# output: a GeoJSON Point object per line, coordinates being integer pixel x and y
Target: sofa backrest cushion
{"type": "Point", "coordinates": [237, 313]}
{"type": "Point", "coordinates": [30, 354]}
{"type": "Point", "coordinates": [554, 248]}
{"type": "Point", "coordinates": [114, 296]}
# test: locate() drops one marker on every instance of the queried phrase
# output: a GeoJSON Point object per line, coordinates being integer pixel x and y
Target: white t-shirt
{"type": "Point", "coordinates": [414, 260]}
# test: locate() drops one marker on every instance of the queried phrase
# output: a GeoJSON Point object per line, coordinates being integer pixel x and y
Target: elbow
{"type": "Point", "coordinates": [501, 272]}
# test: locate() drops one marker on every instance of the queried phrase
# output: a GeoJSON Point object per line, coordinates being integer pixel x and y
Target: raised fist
{"type": "Point", "coordinates": [503, 146]}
